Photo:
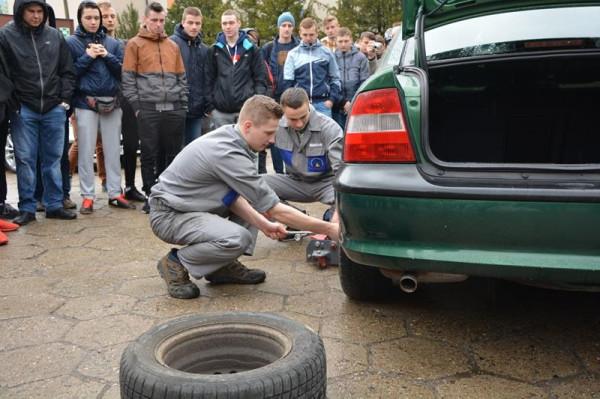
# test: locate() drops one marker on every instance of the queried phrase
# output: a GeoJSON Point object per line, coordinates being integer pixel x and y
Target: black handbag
{"type": "Point", "coordinates": [103, 105]}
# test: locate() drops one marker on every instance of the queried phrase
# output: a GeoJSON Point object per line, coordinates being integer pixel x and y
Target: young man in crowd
{"type": "Point", "coordinates": [236, 71]}
{"type": "Point", "coordinates": [194, 53]}
{"type": "Point", "coordinates": [33, 49]}
{"type": "Point", "coordinates": [312, 67]}
{"type": "Point", "coordinates": [131, 140]}
{"type": "Point", "coordinates": [366, 45]}
{"type": "Point", "coordinates": [211, 201]}
{"type": "Point", "coordinates": [275, 53]}
{"type": "Point", "coordinates": [98, 61]}
{"type": "Point", "coordinates": [7, 103]}
{"type": "Point", "coordinates": [330, 27]}
{"type": "Point", "coordinates": [310, 144]}
{"type": "Point", "coordinates": [155, 85]}
{"type": "Point", "coordinates": [354, 70]}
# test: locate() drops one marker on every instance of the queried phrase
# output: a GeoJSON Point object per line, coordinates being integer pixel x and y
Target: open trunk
{"type": "Point", "coordinates": [515, 111]}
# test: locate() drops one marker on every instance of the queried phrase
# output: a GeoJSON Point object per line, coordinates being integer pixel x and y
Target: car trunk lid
{"type": "Point", "coordinates": [439, 12]}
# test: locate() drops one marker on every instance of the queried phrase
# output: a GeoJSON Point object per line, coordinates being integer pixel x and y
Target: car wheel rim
{"type": "Point", "coordinates": [223, 349]}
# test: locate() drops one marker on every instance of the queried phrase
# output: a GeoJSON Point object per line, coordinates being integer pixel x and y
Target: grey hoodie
{"type": "Point", "coordinates": [354, 70]}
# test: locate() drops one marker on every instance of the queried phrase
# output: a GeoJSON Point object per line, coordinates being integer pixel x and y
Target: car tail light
{"type": "Point", "coordinates": [376, 130]}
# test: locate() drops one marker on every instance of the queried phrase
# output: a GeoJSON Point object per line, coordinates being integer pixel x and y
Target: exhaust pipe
{"type": "Point", "coordinates": [409, 282]}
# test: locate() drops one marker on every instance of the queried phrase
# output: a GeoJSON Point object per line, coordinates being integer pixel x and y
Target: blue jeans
{"type": "Point", "coordinates": [65, 169]}
{"type": "Point", "coordinates": [193, 130]}
{"type": "Point", "coordinates": [39, 135]}
{"type": "Point", "coordinates": [322, 108]}
{"type": "Point", "coordinates": [276, 158]}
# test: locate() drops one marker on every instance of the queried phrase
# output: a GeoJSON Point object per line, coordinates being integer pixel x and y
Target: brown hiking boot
{"type": "Point", "coordinates": [236, 273]}
{"type": "Point", "coordinates": [177, 279]}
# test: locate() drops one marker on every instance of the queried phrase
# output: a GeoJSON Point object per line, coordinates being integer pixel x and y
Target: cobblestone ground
{"type": "Point", "coordinates": [73, 294]}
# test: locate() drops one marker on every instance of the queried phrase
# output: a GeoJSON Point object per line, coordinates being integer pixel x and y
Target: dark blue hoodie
{"type": "Point", "coordinates": [194, 54]}
{"type": "Point", "coordinates": [233, 83]}
{"type": "Point", "coordinates": [100, 76]}
{"type": "Point", "coordinates": [271, 54]}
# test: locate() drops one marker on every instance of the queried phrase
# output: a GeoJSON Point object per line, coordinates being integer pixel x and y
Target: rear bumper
{"type": "Point", "coordinates": [511, 265]}
{"type": "Point", "coordinates": [407, 223]}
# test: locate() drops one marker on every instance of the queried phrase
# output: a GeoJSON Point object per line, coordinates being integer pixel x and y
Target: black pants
{"type": "Point", "coordinates": [3, 134]}
{"type": "Point", "coordinates": [131, 143]}
{"type": "Point", "coordinates": [161, 136]}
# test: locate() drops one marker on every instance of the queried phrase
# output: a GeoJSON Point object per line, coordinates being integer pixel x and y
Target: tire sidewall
{"type": "Point", "coordinates": [141, 354]}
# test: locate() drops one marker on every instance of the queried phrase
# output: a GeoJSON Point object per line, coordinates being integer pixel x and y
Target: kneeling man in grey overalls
{"type": "Point", "coordinates": [211, 201]}
{"type": "Point", "coordinates": [310, 144]}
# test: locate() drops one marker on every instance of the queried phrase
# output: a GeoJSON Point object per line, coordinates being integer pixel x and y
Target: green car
{"type": "Point", "coordinates": [474, 150]}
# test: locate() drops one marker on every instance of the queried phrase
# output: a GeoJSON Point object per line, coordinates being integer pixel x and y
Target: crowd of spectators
{"type": "Point", "coordinates": [152, 94]}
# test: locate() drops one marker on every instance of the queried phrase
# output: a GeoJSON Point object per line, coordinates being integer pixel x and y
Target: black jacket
{"type": "Point", "coordinates": [233, 83]}
{"type": "Point", "coordinates": [194, 54]}
{"type": "Point", "coordinates": [6, 88]}
{"type": "Point", "coordinates": [39, 61]}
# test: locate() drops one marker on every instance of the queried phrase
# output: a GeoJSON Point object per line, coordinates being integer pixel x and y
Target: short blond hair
{"type": "Point", "coordinates": [259, 109]}
{"type": "Point", "coordinates": [104, 4]}
{"type": "Point", "coordinates": [330, 18]}
{"type": "Point", "coordinates": [193, 11]}
{"type": "Point", "coordinates": [343, 31]}
{"type": "Point", "coordinates": [232, 12]}
{"type": "Point", "coordinates": [308, 23]}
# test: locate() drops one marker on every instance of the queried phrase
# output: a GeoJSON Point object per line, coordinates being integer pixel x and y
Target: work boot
{"type": "Point", "coordinates": [177, 279]}
{"type": "Point", "coordinates": [236, 273]}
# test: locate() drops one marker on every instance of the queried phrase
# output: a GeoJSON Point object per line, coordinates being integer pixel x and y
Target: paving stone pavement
{"type": "Point", "coordinates": [74, 293]}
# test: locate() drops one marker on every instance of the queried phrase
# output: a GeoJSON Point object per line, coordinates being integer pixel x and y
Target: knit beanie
{"type": "Point", "coordinates": [286, 17]}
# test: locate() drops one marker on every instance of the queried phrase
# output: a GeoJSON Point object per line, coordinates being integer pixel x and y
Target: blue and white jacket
{"type": "Point", "coordinates": [313, 68]}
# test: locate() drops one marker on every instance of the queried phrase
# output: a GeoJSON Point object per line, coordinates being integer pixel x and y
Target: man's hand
{"type": "Point", "coordinates": [347, 107]}
{"type": "Point", "coordinates": [328, 104]}
{"type": "Point", "coordinates": [334, 231]}
{"type": "Point", "coordinates": [371, 54]}
{"type": "Point", "coordinates": [274, 230]}
{"type": "Point", "coordinates": [101, 51]}
{"type": "Point", "coordinates": [91, 50]}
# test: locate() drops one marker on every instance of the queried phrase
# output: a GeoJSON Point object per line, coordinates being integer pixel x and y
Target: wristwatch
{"type": "Point", "coordinates": [66, 106]}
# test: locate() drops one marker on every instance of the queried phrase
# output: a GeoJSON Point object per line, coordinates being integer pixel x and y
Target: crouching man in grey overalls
{"type": "Point", "coordinates": [310, 144]}
{"type": "Point", "coordinates": [210, 200]}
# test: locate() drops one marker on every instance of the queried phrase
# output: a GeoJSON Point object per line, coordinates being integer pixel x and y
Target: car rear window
{"type": "Point", "coordinates": [510, 32]}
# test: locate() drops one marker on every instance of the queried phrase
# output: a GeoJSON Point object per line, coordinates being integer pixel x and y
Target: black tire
{"type": "Point", "coordinates": [257, 355]}
{"type": "Point", "coordinates": [363, 283]}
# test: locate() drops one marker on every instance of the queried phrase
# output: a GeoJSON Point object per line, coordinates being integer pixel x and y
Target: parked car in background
{"type": "Point", "coordinates": [474, 150]}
